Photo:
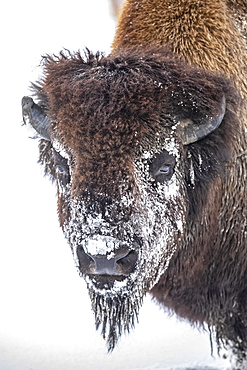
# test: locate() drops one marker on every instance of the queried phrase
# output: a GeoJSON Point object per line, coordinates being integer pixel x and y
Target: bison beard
{"type": "Point", "coordinates": [116, 309]}
{"type": "Point", "coordinates": [115, 313]}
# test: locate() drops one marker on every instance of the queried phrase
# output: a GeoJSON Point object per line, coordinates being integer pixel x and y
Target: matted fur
{"type": "Point", "coordinates": [202, 32]}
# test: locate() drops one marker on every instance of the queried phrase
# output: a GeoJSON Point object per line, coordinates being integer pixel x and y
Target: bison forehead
{"type": "Point", "coordinates": [107, 105]}
{"type": "Point", "coordinates": [103, 122]}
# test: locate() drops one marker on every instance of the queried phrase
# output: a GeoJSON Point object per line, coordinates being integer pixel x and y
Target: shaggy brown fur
{"type": "Point", "coordinates": [202, 32]}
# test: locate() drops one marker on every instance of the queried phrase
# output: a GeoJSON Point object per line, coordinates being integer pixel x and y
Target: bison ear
{"type": "Point", "coordinates": [35, 119]}
{"type": "Point", "coordinates": [193, 131]}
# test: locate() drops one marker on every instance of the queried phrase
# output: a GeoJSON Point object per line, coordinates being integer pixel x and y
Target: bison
{"type": "Point", "coordinates": [147, 147]}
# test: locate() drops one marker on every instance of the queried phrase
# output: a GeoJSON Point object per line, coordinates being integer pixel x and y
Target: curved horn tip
{"type": "Point", "coordinates": [27, 102]}
{"type": "Point", "coordinates": [35, 118]}
{"type": "Point", "coordinates": [193, 132]}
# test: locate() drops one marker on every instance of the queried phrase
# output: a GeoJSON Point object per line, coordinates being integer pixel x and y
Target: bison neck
{"type": "Point", "coordinates": [203, 32]}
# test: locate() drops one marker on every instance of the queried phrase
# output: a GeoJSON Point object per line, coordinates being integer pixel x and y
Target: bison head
{"type": "Point", "coordinates": [116, 134]}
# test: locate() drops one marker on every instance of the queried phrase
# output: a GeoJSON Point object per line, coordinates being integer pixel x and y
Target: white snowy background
{"type": "Point", "coordinates": [46, 322]}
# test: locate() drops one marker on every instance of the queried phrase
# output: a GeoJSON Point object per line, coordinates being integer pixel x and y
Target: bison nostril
{"type": "Point", "coordinates": [86, 262]}
{"type": "Point", "coordinates": [127, 263]}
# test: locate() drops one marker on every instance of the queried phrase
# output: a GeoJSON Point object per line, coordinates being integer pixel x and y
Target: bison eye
{"type": "Point", "coordinates": [62, 169]}
{"type": "Point", "coordinates": [165, 169]}
{"type": "Point", "coordinates": [162, 167]}
{"type": "Point", "coordinates": [63, 174]}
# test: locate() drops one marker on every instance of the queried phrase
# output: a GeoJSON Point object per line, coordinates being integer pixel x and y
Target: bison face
{"type": "Point", "coordinates": [123, 235]}
{"type": "Point", "coordinates": [116, 133]}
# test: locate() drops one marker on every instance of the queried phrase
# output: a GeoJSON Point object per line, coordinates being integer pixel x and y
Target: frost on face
{"type": "Point", "coordinates": [153, 229]}
{"type": "Point", "coordinates": [163, 211]}
{"type": "Point", "coordinates": [100, 245]}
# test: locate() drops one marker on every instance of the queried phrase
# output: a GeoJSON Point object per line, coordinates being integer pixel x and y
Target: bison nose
{"type": "Point", "coordinates": [123, 264]}
{"type": "Point", "coordinates": [118, 263]}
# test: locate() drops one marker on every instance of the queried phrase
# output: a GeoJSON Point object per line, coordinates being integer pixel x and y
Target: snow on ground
{"type": "Point", "coordinates": [45, 318]}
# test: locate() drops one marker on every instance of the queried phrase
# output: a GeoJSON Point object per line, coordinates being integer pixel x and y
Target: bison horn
{"type": "Point", "coordinates": [35, 118]}
{"type": "Point", "coordinates": [192, 132]}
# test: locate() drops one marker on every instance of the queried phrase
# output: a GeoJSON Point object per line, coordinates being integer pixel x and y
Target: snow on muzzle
{"type": "Point", "coordinates": [105, 259]}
